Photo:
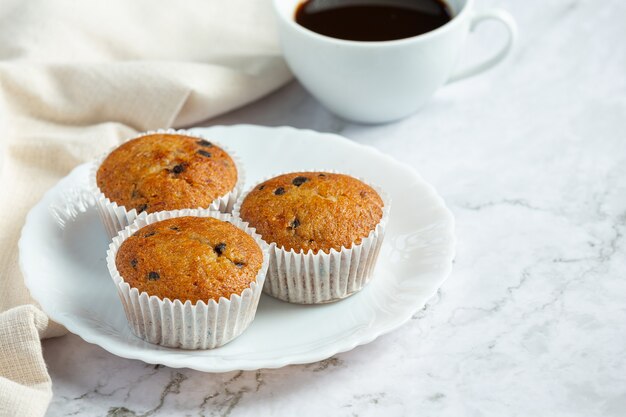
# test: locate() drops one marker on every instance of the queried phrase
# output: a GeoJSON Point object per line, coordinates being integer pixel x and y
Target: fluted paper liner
{"type": "Point", "coordinates": [203, 325]}
{"type": "Point", "coordinates": [318, 278]}
{"type": "Point", "coordinates": [116, 218]}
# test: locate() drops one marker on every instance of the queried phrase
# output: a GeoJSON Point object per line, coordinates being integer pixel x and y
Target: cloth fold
{"type": "Point", "coordinates": [78, 77]}
{"type": "Point", "coordinates": [25, 388]}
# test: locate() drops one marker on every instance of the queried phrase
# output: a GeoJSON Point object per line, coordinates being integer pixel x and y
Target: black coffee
{"type": "Point", "coordinates": [372, 20]}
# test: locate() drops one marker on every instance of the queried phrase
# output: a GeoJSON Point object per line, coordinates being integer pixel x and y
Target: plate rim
{"type": "Point", "coordinates": [300, 358]}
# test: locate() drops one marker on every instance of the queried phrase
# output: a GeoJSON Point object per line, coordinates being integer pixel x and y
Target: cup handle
{"type": "Point", "coordinates": [509, 23]}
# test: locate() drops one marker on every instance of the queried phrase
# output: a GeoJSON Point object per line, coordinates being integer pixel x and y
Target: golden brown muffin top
{"type": "Point", "coordinates": [190, 258]}
{"type": "Point", "coordinates": [166, 172]}
{"type": "Point", "coordinates": [313, 211]}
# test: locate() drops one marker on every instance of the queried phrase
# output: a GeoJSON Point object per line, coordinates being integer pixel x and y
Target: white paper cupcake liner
{"type": "Point", "coordinates": [318, 278]}
{"type": "Point", "coordinates": [203, 325]}
{"type": "Point", "coordinates": [115, 217]}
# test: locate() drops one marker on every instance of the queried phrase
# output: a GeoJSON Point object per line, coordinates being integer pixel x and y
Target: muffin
{"type": "Point", "coordinates": [165, 170]}
{"type": "Point", "coordinates": [324, 230]}
{"type": "Point", "coordinates": [189, 258]}
{"type": "Point", "coordinates": [188, 278]}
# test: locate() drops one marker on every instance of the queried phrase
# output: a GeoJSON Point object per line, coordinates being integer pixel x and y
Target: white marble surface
{"type": "Point", "coordinates": [531, 158]}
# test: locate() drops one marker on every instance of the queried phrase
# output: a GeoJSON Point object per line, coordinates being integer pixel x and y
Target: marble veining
{"type": "Point", "coordinates": [531, 158]}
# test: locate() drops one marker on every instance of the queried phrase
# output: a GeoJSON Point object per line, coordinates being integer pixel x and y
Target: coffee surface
{"type": "Point", "coordinates": [372, 20]}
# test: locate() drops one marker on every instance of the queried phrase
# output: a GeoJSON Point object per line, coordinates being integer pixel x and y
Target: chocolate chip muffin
{"type": "Point", "coordinates": [190, 258]}
{"type": "Point", "coordinates": [313, 211]}
{"type": "Point", "coordinates": [166, 171]}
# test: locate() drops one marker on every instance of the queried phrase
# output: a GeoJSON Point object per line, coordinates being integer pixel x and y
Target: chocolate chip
{"type": "Point", "coordinates": [321, 175]}
{"type": "Point", "coordinates": [220, 248]}
{"type": "Point", "coordinates": [176, 228]}
{"type": "Point", "coordinates": [240, 264]}
{"type": "Point", "coordinates": [135, 193]}
{"type": "Point", "coordinates": [152, 233]}
{"type": "Point", "coordinates": [298, 181]}
{"type": "Point", "coordinates": [133, 263]}
{"type": "Point", "coordinates": [204, 153]}
{"type": "Point", "coordinates": [261, 187]}
{"type": "Point", "coordinates": [279, 191]}
{"type": "Point", "coordinates": [295, 223]}
{"type": "Point", "coordinates": [141, 208]}
{"type": "Point", "coordinates": [153, 276]}
{"type": "Point", "coordinates": [204, 143]}
{"type": "Point", "coordinates": [178, 169]}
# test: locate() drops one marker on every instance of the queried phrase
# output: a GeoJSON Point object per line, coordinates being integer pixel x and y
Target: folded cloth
{"type": "Point", "coordinates": [24, 382]}
{"type": "Point", "coordinates": [77, 77]}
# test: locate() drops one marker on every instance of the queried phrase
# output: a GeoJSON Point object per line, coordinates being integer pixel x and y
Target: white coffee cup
{"type": "Point", "coordinates": [377, 82]}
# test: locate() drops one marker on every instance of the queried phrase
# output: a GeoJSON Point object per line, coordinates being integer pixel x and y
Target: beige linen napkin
{"type": "Point", "coordinates": [24, 382]}
{"type": "Point", "coordinates": [76, 77]}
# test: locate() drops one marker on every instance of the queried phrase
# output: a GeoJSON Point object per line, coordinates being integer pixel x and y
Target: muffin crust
{"type": "Point", "coordinates": [190, 258]}
{"type": "Point", "coordinates": [166, 172]}
{"type": "Point", "coordinates": [313, 211]}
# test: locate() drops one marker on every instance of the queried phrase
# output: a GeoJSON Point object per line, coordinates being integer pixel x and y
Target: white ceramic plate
{"type": "Point", "coordinates": [64, 265]}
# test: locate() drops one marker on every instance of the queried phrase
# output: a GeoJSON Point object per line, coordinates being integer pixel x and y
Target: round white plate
{"type": "Point", "coordinates": [64, 262]}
